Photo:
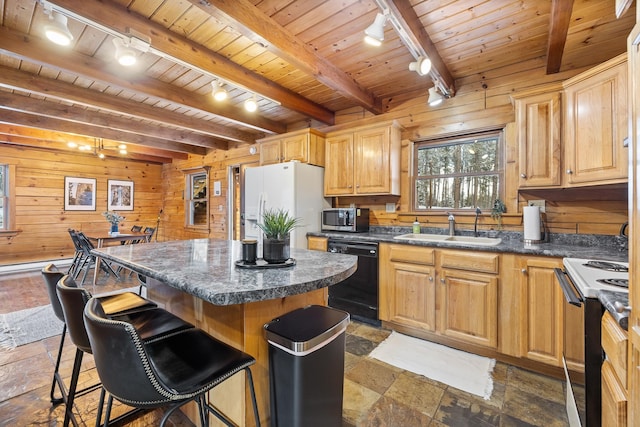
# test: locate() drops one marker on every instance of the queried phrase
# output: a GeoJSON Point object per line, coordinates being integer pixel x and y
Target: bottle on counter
{"type": "Point", "coordinates": [416, 227]}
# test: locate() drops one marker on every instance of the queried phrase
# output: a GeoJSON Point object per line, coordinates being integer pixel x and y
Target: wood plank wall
{"type": "Point", "coordinates": [482, 101]}
{"type": "Point", "coordinates": [39, 188]}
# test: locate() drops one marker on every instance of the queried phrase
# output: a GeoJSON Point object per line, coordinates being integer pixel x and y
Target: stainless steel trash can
{"type": "Point", "coordinates": [306, 366]}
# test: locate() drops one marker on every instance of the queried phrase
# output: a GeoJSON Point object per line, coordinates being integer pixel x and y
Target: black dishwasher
{"type": "Point", "coordinates": [358, 294]}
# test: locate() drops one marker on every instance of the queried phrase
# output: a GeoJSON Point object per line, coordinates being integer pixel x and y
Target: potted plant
{"type": "Point", "coordinates": [276, 226]}
{"type": "Point", "coordinates": [114, 218]}
{"type": "Point", "coordinates": [497, 210]}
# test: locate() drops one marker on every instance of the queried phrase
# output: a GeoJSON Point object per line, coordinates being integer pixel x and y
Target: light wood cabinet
{"type": "Point", "coordinates": [614, 373]}
{"type": "Point", "coordinates": [363, 161]}
{"type": "Point", "coordinates": [447, 292]}
{"type": "Point", "coordinates": [316, 243]}
{"type": "Point", "coordinates": [541, 310]}
{"type": "Point", "coordinates": [306, 146]}
{"type": "Point", "coordinates": [595, 125]}
{"type": "Point", "coordinates": [539, 118]}
{"type": "Point", "coordinates": [573, 134]}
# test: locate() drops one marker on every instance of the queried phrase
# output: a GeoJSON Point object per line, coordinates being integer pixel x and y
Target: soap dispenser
{"type": "Point", "coordinates": [416, 227]}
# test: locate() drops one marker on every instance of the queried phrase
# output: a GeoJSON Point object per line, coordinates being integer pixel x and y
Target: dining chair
{"type": "Point", "coordinates": [170, 371]}
{"type": "Point", "coordinates": [78, 256]}
{"type": "Point", "coordinates": [89, 259]}
{"type": "Point", "coordinates": [150, 321]}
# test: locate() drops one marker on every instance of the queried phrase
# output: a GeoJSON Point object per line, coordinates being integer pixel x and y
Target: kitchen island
{"type": "Point", "coordinates": [199, 281]}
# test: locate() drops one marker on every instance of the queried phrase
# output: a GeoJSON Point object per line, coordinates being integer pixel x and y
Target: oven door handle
{"type": "Point", "coordinates": [567, 289]}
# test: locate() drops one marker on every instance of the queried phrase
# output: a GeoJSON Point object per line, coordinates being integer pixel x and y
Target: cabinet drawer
{"type": "Point", "coordinates": [412, 254]}
{"type": "Point", "coordinates": [614, 344]}
{"type": "Point", "coordinates": [472, 261]}
{"type": "Point", "coordinates": [614, 399]}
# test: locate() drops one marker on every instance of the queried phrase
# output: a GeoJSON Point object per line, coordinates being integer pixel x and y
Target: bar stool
{"type": "Point", "coordinates": [151, 322]}
{"type": "Point", "coordinates": [170, 371]}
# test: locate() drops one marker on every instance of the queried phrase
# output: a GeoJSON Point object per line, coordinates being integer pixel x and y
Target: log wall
{"type": "Point", "coordinates": [39, 198]}
{"type": "Point", "coordinates": [481, 101]}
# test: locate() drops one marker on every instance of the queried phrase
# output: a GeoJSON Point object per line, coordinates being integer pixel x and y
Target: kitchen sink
{"type": "Point", "coordinates": [465, 240]}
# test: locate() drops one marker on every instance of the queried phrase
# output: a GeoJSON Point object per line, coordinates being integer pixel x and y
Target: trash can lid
{"type": "Point", "coordinates": [306, 329]}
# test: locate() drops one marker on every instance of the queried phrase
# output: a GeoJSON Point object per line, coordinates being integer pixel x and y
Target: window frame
{"type": "Point", "coordinates": [189, 200]}
{"type": "Point", "coordinates": [9, 201]}
{"type": "Point", "coordinates": [454, 139]}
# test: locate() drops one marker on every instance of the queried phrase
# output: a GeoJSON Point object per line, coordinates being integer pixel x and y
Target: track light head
{"type": "Point", "coordinates": [251, 104]}
{"type": "Point", "coordinates": [374, 34]}
{"type": "Point", "coordinates": [56, 29]}
{"type": "Point", "coordinates": [125, 54]}
{"type": "Point", "coordinates": [422, 66]}
{"type": "Point", "coordinates": [435, 97]}
{"type": "Point", "coordinates": [219, 93]}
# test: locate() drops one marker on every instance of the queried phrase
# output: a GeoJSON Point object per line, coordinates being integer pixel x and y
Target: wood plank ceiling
{"type": "Point", "coordinates": [305, 60]}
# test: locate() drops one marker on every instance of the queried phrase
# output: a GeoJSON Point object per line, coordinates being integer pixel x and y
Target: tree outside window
{"type": "Point", "coordinates": [458, 173]}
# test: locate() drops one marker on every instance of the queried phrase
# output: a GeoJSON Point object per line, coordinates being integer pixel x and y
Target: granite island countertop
{"type": "Point", "coordinates": [206, 268]}
{"type": "Point", "coordinates": [557, 245]}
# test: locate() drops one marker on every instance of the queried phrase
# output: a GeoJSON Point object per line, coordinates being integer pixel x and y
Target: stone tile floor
{"type": "Point", "coordinates": [375, 394]}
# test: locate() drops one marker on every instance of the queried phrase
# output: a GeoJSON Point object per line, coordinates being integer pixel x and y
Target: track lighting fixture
{"type": "Point", "coordinates": [219, 92]}
{"type": "Point", "coordinates": [251, 104]}
{"type": "Point", "coordinates": [125, 54]}
{"type": "Point", "coordinates": [374, 34]}
{"type": "Point", "coordinates": [56, 28]}
{"type": "Point", "coordinates": [422, 66]}
{"type": "Point", "coordinates": [435, 97]}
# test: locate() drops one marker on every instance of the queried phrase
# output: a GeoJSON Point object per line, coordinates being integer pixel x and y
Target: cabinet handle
{"type": "Point", "coordinates": [569, 171]}
{"type": "Point", "coordinates": [523, 175]}
{"type": "Point", "coordinates": [443, 280]}
{"type": "Point", "coordinates": [524, 271]}
{"type": "Point", "coordinates": [431, 278]}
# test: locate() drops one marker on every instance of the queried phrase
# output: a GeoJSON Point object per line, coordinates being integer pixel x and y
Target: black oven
{"type": "Point", "coordinates": [358, 294]}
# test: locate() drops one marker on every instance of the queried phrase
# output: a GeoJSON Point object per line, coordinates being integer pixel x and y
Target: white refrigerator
{"type": "Point", "coordinates": [294, 186]}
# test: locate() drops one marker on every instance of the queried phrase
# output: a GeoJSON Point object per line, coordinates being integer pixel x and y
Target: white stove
{"type": "Point", "coordinates": [591, 276]}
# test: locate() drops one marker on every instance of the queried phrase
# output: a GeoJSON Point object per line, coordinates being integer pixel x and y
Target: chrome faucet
{"type": "Point", "coordinates": [475, 224]}
{"type": "Point", "coordinates": [452, 224]}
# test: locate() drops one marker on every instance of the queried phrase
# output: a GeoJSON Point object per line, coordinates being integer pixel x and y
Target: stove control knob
{"type": "Point", "coordinates": [620, 307]}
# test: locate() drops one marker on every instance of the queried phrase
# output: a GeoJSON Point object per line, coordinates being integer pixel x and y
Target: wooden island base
{"type": "Point", "coordinates": [240, 325]}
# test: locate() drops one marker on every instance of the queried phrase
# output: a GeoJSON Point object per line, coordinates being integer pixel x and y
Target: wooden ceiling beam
{"type": "Point", "coordinates": [247, 19]}
{"type": "Point", "coordinates": [60, 146]}
{"type": "Point", "coordinates": [120, 19]}
{"type": "Point", "coordinates": [47, 123]}
{"type": "Point", "coordinates": [558, 29]}
{"type": "Point", "coordinates": [25, 47]}
{"type": "Point", "coordinates": [11, 78]}
{"type": "Point", "coordinates": [22, 135]}
{"type": "Point", "coordinates": [25, 104]}
{"type": "Point", "coordinates": [410, 22]}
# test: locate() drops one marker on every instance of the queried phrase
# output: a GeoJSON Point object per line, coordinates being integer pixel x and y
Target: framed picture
{"type": "Point", "coordinates": [79, 194]}
{"type": "Point", "coordinates": [120, 195]}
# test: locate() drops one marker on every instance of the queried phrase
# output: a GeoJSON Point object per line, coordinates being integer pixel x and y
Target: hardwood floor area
{"type": "Point", "coordinates": [375, 394]}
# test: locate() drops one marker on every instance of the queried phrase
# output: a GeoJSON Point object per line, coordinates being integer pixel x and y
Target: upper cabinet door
{"type": "Point", "coordinates": [338, 174]}
{"type": "Point", "coordinates": [596, 125]}
{"type": "Point", "coordinates": [539, 129]}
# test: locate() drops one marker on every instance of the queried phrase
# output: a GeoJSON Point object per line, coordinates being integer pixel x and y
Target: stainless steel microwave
{"type": "Point", "coordinates": [352, 220]}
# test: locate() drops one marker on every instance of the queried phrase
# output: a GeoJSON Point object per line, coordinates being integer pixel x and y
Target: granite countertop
{"type": "Point", "coordinates": [609, 300]}
{"type": "Point", "coordinates": [600, 247]}
{"type": "Point", "coordinates": [206, 269]}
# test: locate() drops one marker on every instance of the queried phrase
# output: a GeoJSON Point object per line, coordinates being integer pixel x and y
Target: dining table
{"type": "Point", "coordinates": [107, 238]}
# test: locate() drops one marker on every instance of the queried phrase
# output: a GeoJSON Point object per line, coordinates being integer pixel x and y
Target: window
{"type": "Point", "coordinates": [196, 210]}
{"type": "Point", "coordinates": [458, 172]}
{"type": "Point", "coordinates": [4, 197]}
